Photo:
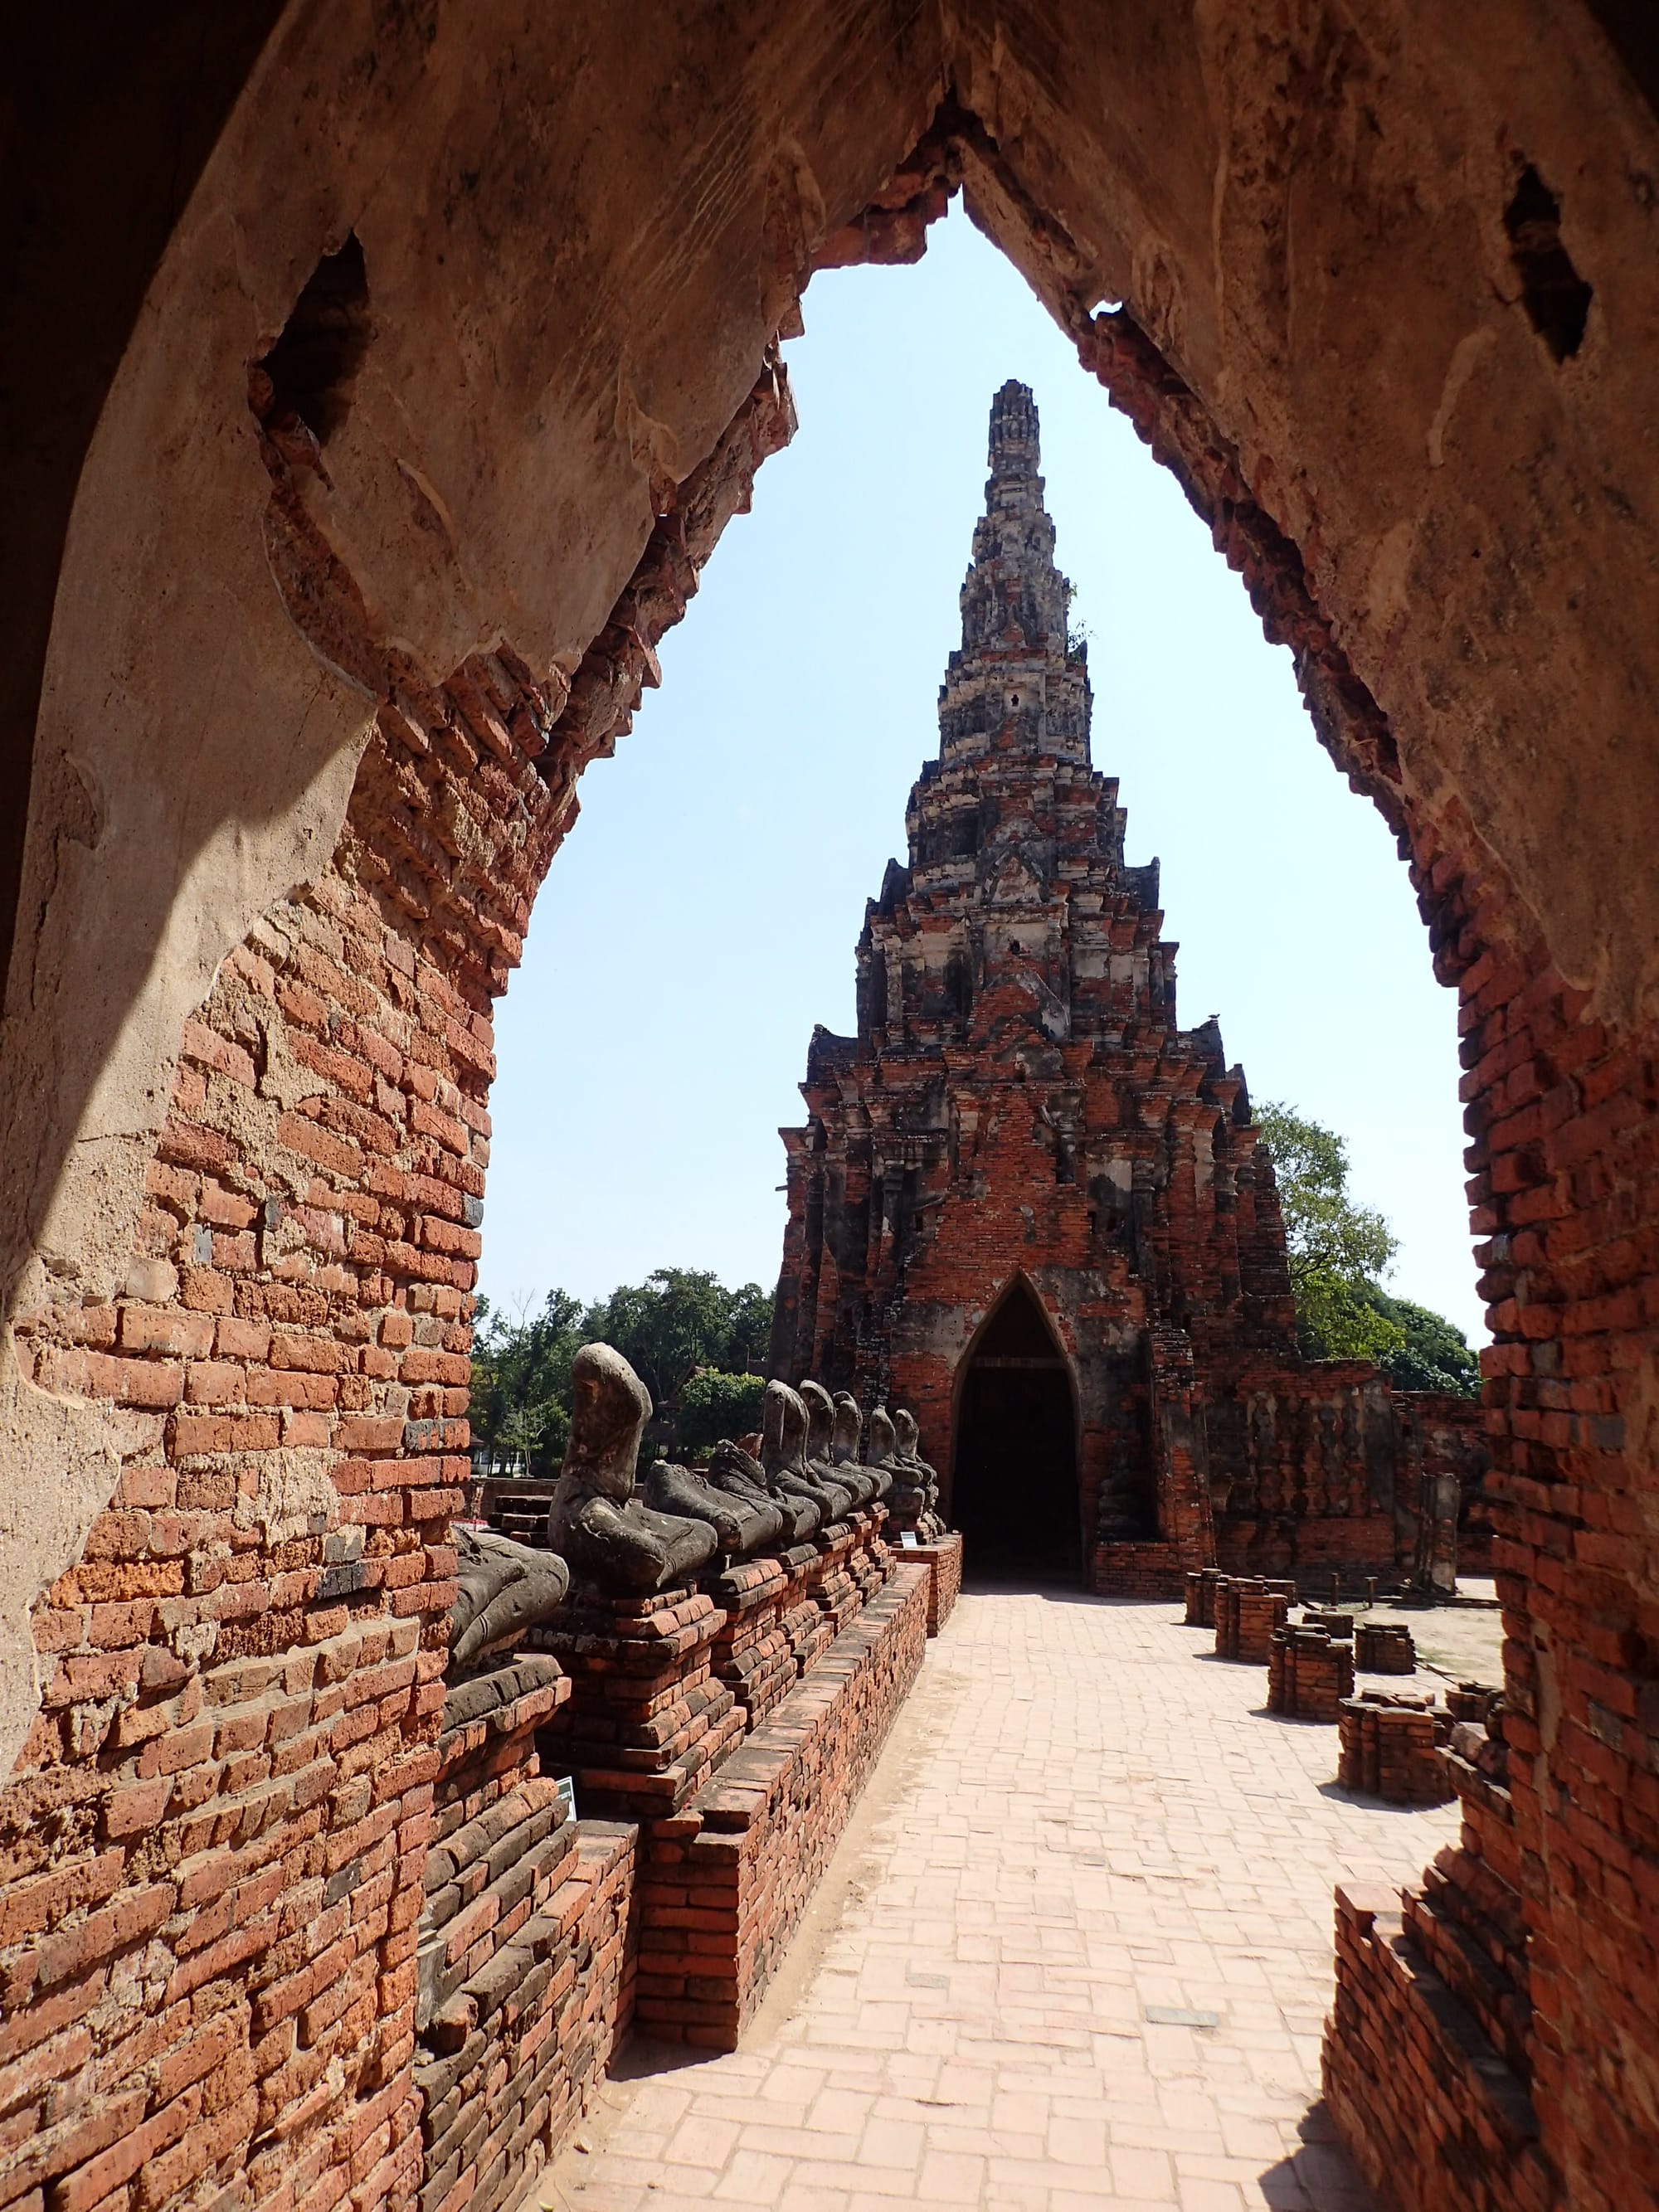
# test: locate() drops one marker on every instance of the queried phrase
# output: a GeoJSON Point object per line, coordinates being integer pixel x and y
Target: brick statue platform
{"type": "Point", "coordinates": [648, 1721]}
{"type": "Point", "coordinates": [942, 1556]}
{"type": "Point", "coordinates": [729, 1877]}
{"type": "Point", "coordinates": [524, 1964]}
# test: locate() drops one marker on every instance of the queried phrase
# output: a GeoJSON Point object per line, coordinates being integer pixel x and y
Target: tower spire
{"type": "Point", "coordinates": [1016, 678]}
{"type": "Point", "coordinates": [1015, 450]}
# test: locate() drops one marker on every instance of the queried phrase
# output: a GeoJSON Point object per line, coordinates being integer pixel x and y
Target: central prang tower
{"type": "Point", "coordinates": [1024, 1202]}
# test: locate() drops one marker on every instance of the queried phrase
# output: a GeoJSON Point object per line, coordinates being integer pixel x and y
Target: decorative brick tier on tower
{"type": "Point", "coordinates": [1029, 1205]}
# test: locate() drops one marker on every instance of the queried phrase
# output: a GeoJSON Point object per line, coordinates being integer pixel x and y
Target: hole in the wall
{"type": "Point", "coordinates": [305, 382]}
{"type": "Point", "coordinates": [1555, 297]}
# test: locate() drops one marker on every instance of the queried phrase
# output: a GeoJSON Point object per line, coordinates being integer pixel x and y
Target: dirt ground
{"type": "Point", "coordinates": [1461, 1641]}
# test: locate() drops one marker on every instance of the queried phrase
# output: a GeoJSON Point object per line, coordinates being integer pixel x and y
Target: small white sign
{"type": "Point", "coordinates": [567, 1798]}
{"type": "Point", "coordinates": [909, 1540]}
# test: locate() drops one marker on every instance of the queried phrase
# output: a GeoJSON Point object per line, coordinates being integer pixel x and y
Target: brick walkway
{"type": "Point", "coordinates": [1080, 1832]}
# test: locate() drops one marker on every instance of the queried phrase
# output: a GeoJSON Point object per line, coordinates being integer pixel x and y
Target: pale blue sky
{"type": "Point", "coordinates": [702, 916]}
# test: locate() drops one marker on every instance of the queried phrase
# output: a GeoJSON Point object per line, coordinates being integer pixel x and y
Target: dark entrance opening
{"type": "Point", "coordinates": [1015, 1493]}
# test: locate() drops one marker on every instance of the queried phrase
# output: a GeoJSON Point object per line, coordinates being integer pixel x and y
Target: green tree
{"type": "Point", "coordinates": [713, 1405]}
{"type": "Point", "coordinates": [678, 1321]}
{"type": "Point", "coordinates": [749, 1334]}
{"type": "Point", "coordinates": [520, 1408]}
{"type": "Point", "coordinates": [1338, 1250]}
{"type": "Point", "coordinates": [1434, 1355]}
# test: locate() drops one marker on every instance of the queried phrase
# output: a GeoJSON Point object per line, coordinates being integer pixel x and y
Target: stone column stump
{"type": "Point", "coordinates": [1390, 1747]}
{"type": "Point", "coordinates": [1308, 1673]}
{"type": "Point", "coordinates": [1200, 1597]}
{"type": "Point", "coordinates": [1247, 1612]}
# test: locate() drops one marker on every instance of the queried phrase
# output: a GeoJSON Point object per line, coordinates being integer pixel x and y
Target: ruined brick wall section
{"type": "Point", "coordinates": [1564, 1195]}
{"type": "Point", "coordinates": [212, 1849]}
{"type": "Point", "coordinates": [233, 1757]}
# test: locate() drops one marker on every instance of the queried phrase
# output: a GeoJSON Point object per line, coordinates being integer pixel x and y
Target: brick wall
{"type": "Point", "coordinates": [1560, 1099]}
{"type": "Point", "coordinates": [212, 1850]}
{"type": "Point", "coordinates": [526, 1961]}
{"type": "Point", "coordinates": [733, 1881]}
{"type": "Point", "coordinates": [943, 1558]}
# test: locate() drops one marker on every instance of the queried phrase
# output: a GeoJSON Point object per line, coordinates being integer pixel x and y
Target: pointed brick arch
{"type": "Point", "coordinates": [302, 750]}
{"type": "Point", "coordinates": [1015, 1491]}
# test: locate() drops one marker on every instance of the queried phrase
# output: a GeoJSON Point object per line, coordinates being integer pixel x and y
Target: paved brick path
{"type": "Point", "coordinates": [1078, 1824]}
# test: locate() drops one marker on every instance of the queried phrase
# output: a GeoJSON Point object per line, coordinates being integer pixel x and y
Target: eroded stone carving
{"type": "Point", "coordinates": [503, 1588]}
{"type": "Point", "coordinates": [821, 1468]}
{"type": "Point", "coordinates": [743, 1524]}
{"type": "Point", "coordinates": [783, 1453]}
{"type": "Point", "coordinates": [607, 1534]}
{"type": "Point", "coordinates": [733, 1470]}
{"type": "Point", "coordinates": [913, 1496]}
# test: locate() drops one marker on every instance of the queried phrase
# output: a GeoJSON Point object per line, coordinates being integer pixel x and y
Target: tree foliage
{"type": "Point", "coordinates": [1338, 1251]}
{"type": "Point", "coordinates": [713, 1405]}
{"type": "Point", "coordinates": [678, 1321]}
{"type": "Point", "coordinates": [1434, 1355]}
{"type": "Point", "coordinates": [520, 1409]}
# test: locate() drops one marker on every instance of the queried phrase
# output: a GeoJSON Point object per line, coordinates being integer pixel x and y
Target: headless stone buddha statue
{"type": "Point", "coordinates": [845, 1438]}
{"type": "Point", "coordinates": [922, 1476]}
{"type": "Point", "coordinates": [783, 1453]}
{"type": "Point", "coordinates": [820, 1432]}
{"type": "Point", "coordinates": [743, 1524]}
{"type": "Point", "coordinates": [880, 1441]}
{"type": "Point", "coordinates": [1120, 1515]}
{"type": "Point", "coordinates": [907, 1491]}
{"type": "Point", "coordinates": [502, 1588]}
{"type": "Point", "coordinates": [609, 1536]}
{"type": "Point", "coordinates": [736, 1471]}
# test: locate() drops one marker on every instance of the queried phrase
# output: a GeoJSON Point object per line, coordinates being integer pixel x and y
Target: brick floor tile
{"type": "Point", "coordinates": [702, 2139]}
{"type": "Point", "coordinates": [891, 2143]}
{"type": "Point", "coordinates": [951, 2178]}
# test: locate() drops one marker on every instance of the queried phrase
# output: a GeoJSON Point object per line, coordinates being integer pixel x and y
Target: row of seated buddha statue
{"type": "Point", "coordinates": [628, 1535]}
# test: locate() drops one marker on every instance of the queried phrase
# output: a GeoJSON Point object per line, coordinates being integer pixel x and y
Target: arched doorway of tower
{"type": "Point", "coordinates": [1014, 1487]}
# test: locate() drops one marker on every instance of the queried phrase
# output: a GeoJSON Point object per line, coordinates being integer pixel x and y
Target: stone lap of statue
{"type": "Point", "coordinates": [783, 1453]}
{"type": "Point", "coordinates": [737, 1471]}
{"type": "Point", "coordinates": [607, 1534]}
{"type": "Point", "coordinates": [743, 1524]}
{"type": "Point", "coordinates": [820, 1466]}
{"type": "Point", "coordinates": [502, 1589]}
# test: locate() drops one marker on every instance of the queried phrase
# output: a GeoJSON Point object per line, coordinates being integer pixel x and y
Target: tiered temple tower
{"type": "Point", "coordinates": [1025, 1201]}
